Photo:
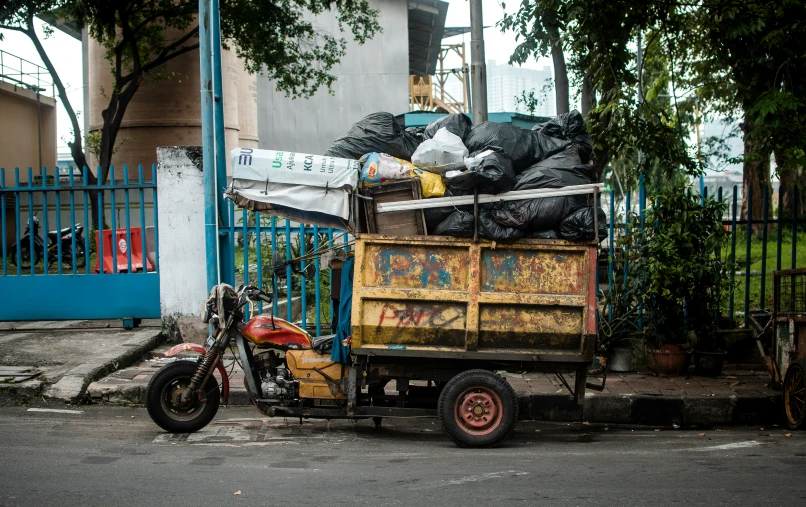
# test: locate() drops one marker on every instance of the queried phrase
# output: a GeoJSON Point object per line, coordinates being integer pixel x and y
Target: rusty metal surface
{"type": "Point", "coordinates": [452, 297]}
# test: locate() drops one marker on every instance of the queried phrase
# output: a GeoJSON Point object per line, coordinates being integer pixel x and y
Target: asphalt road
{"type": "Point", "coordinates": [117, 456]}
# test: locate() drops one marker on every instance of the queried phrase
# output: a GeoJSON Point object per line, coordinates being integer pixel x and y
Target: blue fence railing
{"type": "Point", "coordinates": [752, 243]}
{"type": "Point", "coordinates": [305, 291]}
{"type": "Point", "coordinates": [759, 247]}
{"type": "Point", "coordinates": [50, 245]}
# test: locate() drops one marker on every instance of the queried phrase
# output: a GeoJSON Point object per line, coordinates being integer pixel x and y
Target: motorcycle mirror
{"type": "Point", "coordinates": [277, 265]}
{"type": "Point", "coordinates": [309, 272]}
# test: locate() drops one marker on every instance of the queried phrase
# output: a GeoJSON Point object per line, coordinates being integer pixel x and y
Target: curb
{"type": "Point", "coordinates": [83, 381]}
{"type": "Point", "coordinates": [656, 410]}
{"type": "Point", "coordinates": [23, 392]}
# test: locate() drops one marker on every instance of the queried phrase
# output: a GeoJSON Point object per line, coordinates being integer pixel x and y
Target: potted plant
{"type": "Point", "coordinates": [619, 330]}
{"type": "Point", "coordinates": [675, 259]}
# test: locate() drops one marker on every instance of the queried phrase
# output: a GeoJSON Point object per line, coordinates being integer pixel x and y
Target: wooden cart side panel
{"type": "Point", "coordinates": [544, 271]}
{"type": "Point", "coordinates": [591, 289]}
{"type": "Point", "coordinates": [415, 266]}
{"type": "Point", "coordinates": [445, 295]}
{"type": "Point", "coordinates": [474, 282]}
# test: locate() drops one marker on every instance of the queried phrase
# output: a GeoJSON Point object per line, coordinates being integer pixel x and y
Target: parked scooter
{"type": "Point", "coordinates": [65, 237]}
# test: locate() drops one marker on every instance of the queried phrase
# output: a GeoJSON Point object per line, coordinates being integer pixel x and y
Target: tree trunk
{"type": "Point", "coordinates": [756, 173]}
{"type": "Point", "coordinates": [790, 180]}
{"type": "Point", "coordinates": [586, 100]}
{"type": "Point", "coordinates": [560, 71]}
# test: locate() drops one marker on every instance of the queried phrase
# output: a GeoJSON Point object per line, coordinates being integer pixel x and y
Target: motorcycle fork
{"type": "Point", "coordinates": [206, 366]}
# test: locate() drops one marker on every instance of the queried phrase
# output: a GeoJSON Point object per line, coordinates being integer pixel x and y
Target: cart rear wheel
{"type": "Point", "coordinates": [478, 408]}
{"type": "Point", "coordinates": [795, 396]}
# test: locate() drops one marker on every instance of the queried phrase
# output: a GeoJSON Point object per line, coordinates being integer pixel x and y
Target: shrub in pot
{"type": "Point", "coordinates": [619, 331]}
{"type": "Point", "coordinates": [675, 262]}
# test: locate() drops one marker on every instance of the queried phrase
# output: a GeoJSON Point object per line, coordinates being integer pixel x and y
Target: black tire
{"type": "Point", "coordinates": [795, 396]}
{"type": "Point", "coordinates": [25, 255]}
{"type": "Point", "coordinates": [488, 407]}
{"type": "Point", "coordinates": [67, 256]}
{"type": "Point", "coordinates": [164, 385]}
{"type": "Point", "coordinates": [81, 256]}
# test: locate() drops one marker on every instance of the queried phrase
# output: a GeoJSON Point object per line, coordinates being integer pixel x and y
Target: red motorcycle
{"type": "Point", "coordinates": [286, 371]}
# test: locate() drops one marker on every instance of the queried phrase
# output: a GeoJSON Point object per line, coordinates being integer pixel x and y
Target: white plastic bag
{"type": "Point", "coordinates": [442, 153]}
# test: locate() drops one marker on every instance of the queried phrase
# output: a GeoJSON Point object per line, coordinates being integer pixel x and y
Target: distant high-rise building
{"type": "Point", "coordinates": [506, 82]}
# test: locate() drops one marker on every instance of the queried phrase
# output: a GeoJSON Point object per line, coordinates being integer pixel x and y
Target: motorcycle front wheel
{"type": "Point", "coordinates": [25, 255]}
{"type": "Point", "coordinates": [164, 393]}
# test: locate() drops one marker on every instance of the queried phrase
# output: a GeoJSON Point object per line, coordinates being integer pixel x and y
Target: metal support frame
{"type": "Point", "coordinates": [478, 65]}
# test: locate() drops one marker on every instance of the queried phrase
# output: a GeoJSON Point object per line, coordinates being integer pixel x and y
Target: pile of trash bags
{"type": "Point", "coordinates": [451, 157]}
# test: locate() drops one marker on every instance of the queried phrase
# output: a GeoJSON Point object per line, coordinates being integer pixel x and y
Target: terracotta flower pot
{"type": "Point", "coordinates": [666, 359]}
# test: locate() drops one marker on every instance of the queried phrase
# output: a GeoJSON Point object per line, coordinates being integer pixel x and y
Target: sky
{"type": "Point", "coordinates": [497, 46]}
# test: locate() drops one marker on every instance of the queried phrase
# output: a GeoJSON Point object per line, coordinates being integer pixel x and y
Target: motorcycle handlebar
{"type": "Point", "coordinates": [255, 293]}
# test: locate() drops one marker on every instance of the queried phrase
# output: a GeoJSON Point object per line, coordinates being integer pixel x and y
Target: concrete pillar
{"type": "Point", "coordinates": [182, 252]}
{"type": "Point", "coordinates": [247, 109]}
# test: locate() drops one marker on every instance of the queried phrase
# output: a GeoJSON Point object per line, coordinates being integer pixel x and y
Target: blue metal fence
{"type": "Point", "coordinates": [752, 287]}
{"type": "Point", "coordinates": [62, 273]}
{"type": "Point", "coordinates": [251, 240]}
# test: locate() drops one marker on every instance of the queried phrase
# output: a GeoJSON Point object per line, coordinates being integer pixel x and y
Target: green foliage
{"type": "Point", "coordinates": [619, 314]}
{"type": "Point", "coordinates": [531, 100]}
{"type": "Point", "coordinates": [739, 59]}
{"type": "Point", "coordinates": [674, 258]}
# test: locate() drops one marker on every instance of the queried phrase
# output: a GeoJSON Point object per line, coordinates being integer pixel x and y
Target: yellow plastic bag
{"type": "Point", "coordinates": [431, 183]}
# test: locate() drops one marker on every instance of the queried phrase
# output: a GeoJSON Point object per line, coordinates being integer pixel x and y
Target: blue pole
{"type": "Point", "coordinates": [702, 190]}
{"type": "Point", "coordinates": [208, 161]}
{"type": "Point", "coordinates": [218, 110]}
{"type": "Point", "coordinates": [626, 230]}
{"type": "Point", "coordinates": [611, 249]}
{"type": "Point", "coordinates": [226, 245]}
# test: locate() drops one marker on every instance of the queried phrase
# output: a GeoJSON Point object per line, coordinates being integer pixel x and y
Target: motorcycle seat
{"type": "Point", "coordinates": [63, 232]}
{"type": "Point", "coordinates": [322, 344]}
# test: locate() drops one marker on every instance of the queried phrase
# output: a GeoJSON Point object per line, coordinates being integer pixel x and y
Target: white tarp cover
{"type": "Point", "coordinates": [285, 167]}
{"type": "Point", "coordinates": [334, 202]}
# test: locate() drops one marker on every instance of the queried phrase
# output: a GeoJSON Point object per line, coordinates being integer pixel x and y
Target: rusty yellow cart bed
{"type": "Point", "coordinates": [450, 313]}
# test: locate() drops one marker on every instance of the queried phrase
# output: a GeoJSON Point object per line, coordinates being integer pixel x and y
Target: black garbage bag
{"type": "Point", "coordinates": [578, 225]}
{"type": "Point", "coordinates": [524, 147]}
{"type": "Point", "coordinates": [565, 159]}
{"type": "Point", "coordinates": [536, 214]}
{"type": "Point", "coordinates": [570, 126]}
{"type": "Point", "coordinates": [378, 132]}
{"type": "Point", "coordinates": [491, 173]}
{"type": "Point", "coordinates": [412, 138]}
{"type": "Point", "coordinates": [460, 224]}
{"type": "Point", "coordinates": [550, 234]}
{"type": "Point", "coordinates": [538, 176]}
{"type": "Point", "coordinates": [458, 124]}
{"type": "Point", "coordinates": [435, 216]}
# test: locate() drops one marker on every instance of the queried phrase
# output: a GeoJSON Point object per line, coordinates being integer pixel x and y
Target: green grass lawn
{"type": "Point", "coordinates": [756, 257]}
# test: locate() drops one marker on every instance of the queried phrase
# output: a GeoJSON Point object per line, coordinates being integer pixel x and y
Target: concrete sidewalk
{"type": "Point", "coordinates": [737, 397]}
{"type": "Point", "coordinates": [59, 359]}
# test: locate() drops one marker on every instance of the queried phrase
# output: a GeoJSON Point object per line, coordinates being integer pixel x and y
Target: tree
{"type": "Point", "coordinates": [272, 37]}
{"type": "Point", "coordinates": [539, 25]}
{"type": "Point", "coordinates": [637, 132]}
{"type": "Point", "coordinates": [739, 59]}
